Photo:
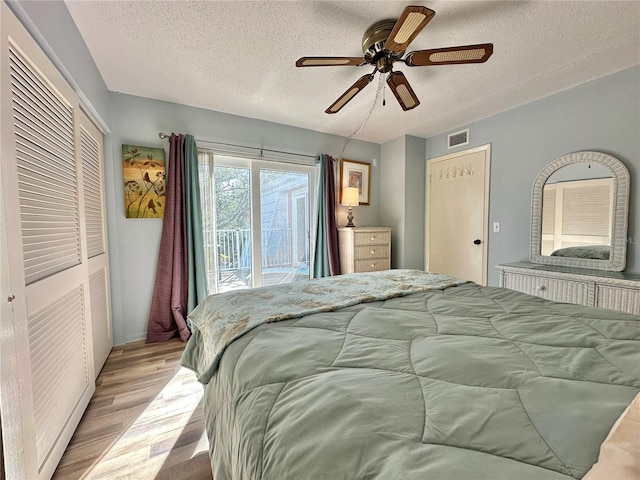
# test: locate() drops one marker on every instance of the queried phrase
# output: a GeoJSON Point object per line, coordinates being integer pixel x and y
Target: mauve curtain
{"type": "Point", "coordinates": [326, 260]}
{"type": "Point", "coordinates": [177, 273]}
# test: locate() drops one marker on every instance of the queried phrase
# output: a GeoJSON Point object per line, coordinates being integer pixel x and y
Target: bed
{"type": "Point", "coordinates": [596, 252]}
{"type": "Point", "coordinates": [408, 375]}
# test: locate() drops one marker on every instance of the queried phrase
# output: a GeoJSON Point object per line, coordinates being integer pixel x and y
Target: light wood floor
{"type": "Point", "coordinates": [145, 420]}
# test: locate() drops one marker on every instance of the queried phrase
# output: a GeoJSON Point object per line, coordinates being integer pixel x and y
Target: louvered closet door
{"type": "Point", "coordinates": [91, 148]}
{"type": "Point", "coordinates": [47, 375]}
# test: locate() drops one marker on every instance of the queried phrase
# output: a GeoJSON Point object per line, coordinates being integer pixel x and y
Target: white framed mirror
{"type": "Point", "coordinates": [579, 210]}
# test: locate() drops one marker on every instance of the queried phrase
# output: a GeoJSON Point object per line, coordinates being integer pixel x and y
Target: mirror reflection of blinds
{"type": "Point", "coordinates": [586, 210]}
{"type": "Point", "coordinates": [44, 136]}
{"type": "Point", "coordinates": [91, 181]}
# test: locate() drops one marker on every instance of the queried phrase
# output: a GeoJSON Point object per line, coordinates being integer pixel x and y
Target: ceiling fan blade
{"type": "Point", "coordinates": [451, 55]}
{"type": "Point", "coordinates": [410, 23]}
{"type": "Point", "coordinates": [402, 90]}
{"type": "Point", "coordinates": [329, 61]}
{"type": "Point", "coordinates": [350, 93]}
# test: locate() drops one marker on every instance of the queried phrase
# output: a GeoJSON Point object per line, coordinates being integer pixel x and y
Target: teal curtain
{"type": "Point", "coordinates": [321, 257]}
{"type": "Point", "coordinates": [195, 242]}
{"type": "Point", "coordinates": [326, 261]}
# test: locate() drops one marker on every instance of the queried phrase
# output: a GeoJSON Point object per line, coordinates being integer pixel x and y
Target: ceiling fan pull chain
{"type": "Point", "coordinates": [384, 91]}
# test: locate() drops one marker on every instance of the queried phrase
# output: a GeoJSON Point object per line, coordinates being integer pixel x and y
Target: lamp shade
{"type": "Point", "coordinates": [350, 196]}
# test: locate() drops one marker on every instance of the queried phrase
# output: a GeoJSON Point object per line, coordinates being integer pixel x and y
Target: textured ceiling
{"type": "Point", "coordinates": [239, 57]}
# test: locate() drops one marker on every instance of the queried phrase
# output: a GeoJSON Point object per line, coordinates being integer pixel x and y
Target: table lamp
{"type": "Point", "coordinates": [350, 197]}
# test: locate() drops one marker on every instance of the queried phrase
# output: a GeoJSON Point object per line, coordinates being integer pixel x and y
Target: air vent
{"type": "Point", "coordinates": [458, 138]}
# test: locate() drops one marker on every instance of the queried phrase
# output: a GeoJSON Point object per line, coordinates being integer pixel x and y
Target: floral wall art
{"type": "Point", "coordinates": [356, 174]}
{"type": "Point", "coordinates": [144, 181]}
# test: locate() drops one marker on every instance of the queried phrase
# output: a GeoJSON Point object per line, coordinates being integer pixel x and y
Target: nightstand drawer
{"type": "Point", "coordinates": [372, 238]}
{"type": "Point", "coordinates": [372, 265]}
{"type": "Point", "coordinates": [374, 251]}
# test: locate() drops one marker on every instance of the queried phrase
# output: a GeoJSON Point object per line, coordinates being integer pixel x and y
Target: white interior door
{"type": "Point", "coordinates": [91, 148]}
{"type": "Point", "coordinates": [457, 214]}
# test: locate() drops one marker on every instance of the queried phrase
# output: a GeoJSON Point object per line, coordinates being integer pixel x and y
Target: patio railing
{"type": "Point", "coordinates": [234, 248]}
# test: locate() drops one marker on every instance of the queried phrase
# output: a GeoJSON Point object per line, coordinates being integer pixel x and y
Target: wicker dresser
{"type": "Point", "coordinates": [594, 288]}
{"type": "Point", "coordinates": [364, 249]}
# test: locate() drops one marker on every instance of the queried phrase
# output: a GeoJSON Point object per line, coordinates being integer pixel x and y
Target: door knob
{"type": "Point", "coordinates": [477, 241]}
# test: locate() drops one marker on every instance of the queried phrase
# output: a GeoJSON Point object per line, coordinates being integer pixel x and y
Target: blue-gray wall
{"type": "Point", "coordinates": [134, 242]}
{"type": "Point", "coordinates": [392, 191]}
{"type": "Point", "coordinates": [402, 188]}
{"type": "Point", "coordinates": [414, 203]}
{"type": "Point", "coordinates": [601, 115]}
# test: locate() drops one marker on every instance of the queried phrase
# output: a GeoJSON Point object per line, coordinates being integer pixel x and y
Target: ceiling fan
{"type": "Point", "coordinates": [385, 43]}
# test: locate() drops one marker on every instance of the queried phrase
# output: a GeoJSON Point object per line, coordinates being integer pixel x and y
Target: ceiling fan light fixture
{"type": "Point", "coordinates": [385, 43]}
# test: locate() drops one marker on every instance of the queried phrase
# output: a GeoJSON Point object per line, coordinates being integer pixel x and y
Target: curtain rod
{"type": "Point", "coordinates": [164, 135]}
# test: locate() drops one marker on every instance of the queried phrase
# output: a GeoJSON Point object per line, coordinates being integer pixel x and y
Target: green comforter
{"type": "Point", "coordinates": [455, 383]}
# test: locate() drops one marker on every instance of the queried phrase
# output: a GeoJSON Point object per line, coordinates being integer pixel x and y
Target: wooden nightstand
{"type": "Point", "coordinates": [364, 249]}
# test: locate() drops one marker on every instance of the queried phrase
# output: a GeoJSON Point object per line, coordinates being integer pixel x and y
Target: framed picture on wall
{"type": "Point", "coordinates": [356, 174]}
{"type": "Point", "coordinates": [144, 181]}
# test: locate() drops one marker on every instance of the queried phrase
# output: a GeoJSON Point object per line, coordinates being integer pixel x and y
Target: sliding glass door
{"type": "Point", "coordinates": [257, 221]}
{"type": "Point", "coordinates": [284, 226]}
